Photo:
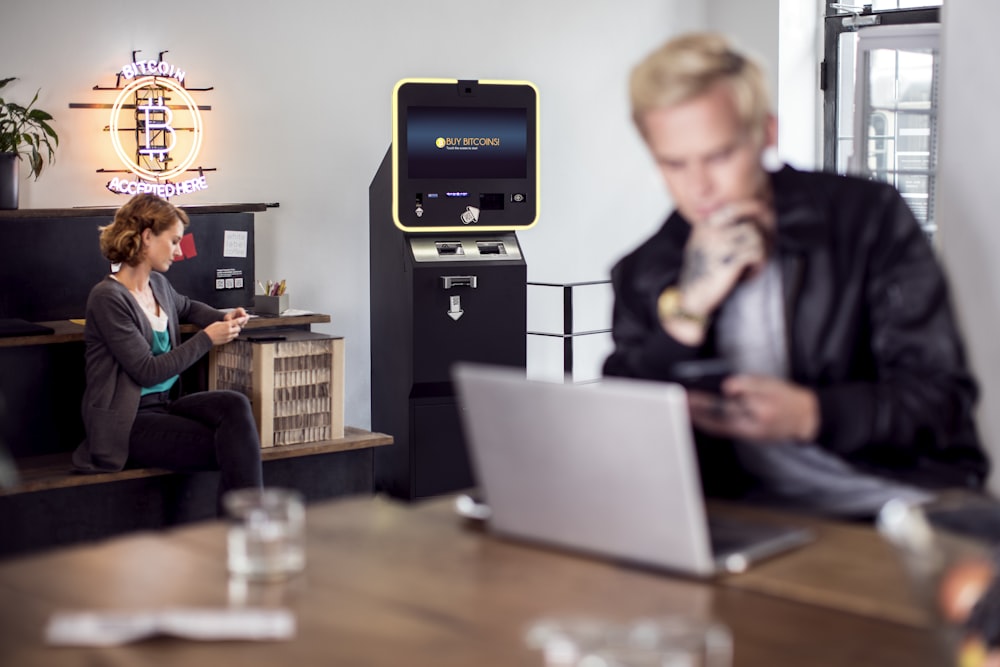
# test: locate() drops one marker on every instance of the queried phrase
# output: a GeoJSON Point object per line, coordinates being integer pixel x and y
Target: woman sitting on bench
{"type": "Point", "coordinates": [134, 354]}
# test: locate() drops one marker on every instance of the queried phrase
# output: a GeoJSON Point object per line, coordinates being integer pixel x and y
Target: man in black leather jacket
{"type": "Point", "coordinates": [849, 382]}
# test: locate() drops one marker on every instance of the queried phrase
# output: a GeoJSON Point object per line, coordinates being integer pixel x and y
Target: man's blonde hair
{"type": "Point", "coordinates": [690, 65]}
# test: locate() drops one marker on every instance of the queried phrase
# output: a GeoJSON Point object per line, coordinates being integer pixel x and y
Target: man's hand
{"type": "Point", "coordinates": [721, 250]}
{"type": "Point", "coordinates": [757, 409]}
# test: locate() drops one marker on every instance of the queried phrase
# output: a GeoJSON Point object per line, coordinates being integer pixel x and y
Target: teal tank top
{"type": "Point", "coordinates": [161, 344]}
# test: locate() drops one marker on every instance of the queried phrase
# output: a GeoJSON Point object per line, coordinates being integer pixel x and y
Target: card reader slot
{"type": "Point", "coordinates": [446, 248]}
{"type": "Point", "coordinates": [491, 248]}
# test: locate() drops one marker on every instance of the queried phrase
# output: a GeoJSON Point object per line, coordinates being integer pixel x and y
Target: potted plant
{"type": "Point", "coordinates": [24, 133]}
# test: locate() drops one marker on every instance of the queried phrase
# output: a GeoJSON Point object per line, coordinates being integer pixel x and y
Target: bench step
{"type": "Point", "coordinates": [55, 471]}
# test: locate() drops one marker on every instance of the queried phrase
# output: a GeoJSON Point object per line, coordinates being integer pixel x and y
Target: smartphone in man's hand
{"type": "Point", "coordinates": [702, 374]}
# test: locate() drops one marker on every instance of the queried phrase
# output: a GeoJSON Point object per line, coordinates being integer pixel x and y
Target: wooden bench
{"type": "Point", "coordinates": [51, 505]}
{"type": "Point", "coordinates": [55, 471]}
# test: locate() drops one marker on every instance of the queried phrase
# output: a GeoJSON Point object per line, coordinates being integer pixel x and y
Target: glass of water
{"type": "Point", "coordinates": [266, 537]}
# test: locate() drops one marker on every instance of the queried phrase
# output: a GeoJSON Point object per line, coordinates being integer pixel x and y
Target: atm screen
{"type": "Point", "coordinates": [451, 142]}
{"type": "Point", "coordinates": [465, 155]}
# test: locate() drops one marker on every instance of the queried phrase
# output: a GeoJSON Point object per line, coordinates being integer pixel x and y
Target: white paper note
{"type": "Point", "coordinates": [110, 628]}
{"type": "Point", "coordinates": [235, 243]}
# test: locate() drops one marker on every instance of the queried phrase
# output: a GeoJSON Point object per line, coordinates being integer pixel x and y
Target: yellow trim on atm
{"type": "Point", "coordinates": [395, 158]}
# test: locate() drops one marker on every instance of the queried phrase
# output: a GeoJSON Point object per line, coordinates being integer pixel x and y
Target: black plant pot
{"type": "Point", "coordinates": [9, 174]}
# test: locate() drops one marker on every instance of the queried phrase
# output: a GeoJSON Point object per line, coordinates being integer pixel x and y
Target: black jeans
{"type": "Point", "coordinates": [208, 430]}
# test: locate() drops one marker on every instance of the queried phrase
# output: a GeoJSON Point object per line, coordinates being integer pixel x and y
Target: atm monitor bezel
{"type": "Point", "coordinates": [443, 214]}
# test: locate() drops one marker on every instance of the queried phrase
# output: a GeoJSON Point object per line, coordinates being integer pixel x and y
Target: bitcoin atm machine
{"type": "Point", "coordinates": [448, 279]}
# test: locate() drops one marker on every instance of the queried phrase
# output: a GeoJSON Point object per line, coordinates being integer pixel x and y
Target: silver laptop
{"type": "Point", "coordinates": [608, 468]}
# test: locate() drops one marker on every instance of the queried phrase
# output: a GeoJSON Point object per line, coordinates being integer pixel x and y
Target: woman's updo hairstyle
{"type": "Point", "coordinates": [121, 241]}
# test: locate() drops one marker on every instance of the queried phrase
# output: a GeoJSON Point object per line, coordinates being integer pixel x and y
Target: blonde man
{"type": "Point", "coordinates": [848, 383]}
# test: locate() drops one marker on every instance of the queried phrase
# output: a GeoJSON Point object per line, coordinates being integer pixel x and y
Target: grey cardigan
{"type": "Point", "coordinates": [120, 361]}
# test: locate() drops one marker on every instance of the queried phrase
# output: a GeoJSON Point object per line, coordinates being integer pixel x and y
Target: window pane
{"type": "Point", "coordinates": [915, 68]}
{"type": "Point", "coordinates": [899, 119]}
{"type": "Point", "coordinates": [914, 134]}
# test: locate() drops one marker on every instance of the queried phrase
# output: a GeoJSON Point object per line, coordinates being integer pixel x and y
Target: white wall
{"type": "Point", "coordinates": [969, 235]}
{"type": "Point", "coordinates": [753, 26]}
{"type": "Point", "coordinates": [786, 38]}
{"type": "Point", "coordinates": [300, 116]}
{"type": "Point", "coordinates": [799, 100]}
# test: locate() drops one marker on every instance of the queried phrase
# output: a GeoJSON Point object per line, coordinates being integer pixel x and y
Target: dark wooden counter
{"type": "Point", "coordinates": [90, 211]}
{"type": "Point", "coordinates": [68, 331]}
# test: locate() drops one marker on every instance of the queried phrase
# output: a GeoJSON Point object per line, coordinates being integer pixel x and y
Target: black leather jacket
{"type": "Point", "coordinates": [870, 330]}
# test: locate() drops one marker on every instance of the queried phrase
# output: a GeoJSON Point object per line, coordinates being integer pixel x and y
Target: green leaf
{"type": "Point", "coordinates": [49, 131]}
{"type": "Point", "coordinates": [25, 130]}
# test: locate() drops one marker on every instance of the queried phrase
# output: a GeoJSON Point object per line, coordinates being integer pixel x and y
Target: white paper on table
{"type": "Point", "coordinates": [109, 628]}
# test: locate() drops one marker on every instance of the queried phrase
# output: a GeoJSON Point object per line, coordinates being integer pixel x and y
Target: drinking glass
{"type": "Point", "coordinates": [266, 537]}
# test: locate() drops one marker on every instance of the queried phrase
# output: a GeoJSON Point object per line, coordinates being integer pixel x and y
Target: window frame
{"type": "Point", "coordinates": [835, 23]}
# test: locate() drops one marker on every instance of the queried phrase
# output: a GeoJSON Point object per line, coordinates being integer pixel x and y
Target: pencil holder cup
{"type": "Point", "coordinates": [270, 305]}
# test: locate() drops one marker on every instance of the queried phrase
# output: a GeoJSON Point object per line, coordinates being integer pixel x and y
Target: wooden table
{"type": "Point", "coordinates": [393, 584]}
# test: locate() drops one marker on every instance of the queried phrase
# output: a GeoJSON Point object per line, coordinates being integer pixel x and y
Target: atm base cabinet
{"type": "Point", "coordinates": [429, 456]}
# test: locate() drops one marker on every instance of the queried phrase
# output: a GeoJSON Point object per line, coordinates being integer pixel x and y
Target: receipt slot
{"type": "Point", "coordinates": [436, 298]}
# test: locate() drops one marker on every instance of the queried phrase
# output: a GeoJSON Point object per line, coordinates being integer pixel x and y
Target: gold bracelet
{"type": "Point", "coordinates": [668, 306]}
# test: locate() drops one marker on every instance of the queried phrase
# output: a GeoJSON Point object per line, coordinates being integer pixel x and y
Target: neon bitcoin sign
{"type": "Point", "coordinates": [156, 131]}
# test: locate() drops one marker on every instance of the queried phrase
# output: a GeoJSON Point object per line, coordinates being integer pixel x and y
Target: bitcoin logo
{"type": "Point", "coordinates": [155, 134]}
